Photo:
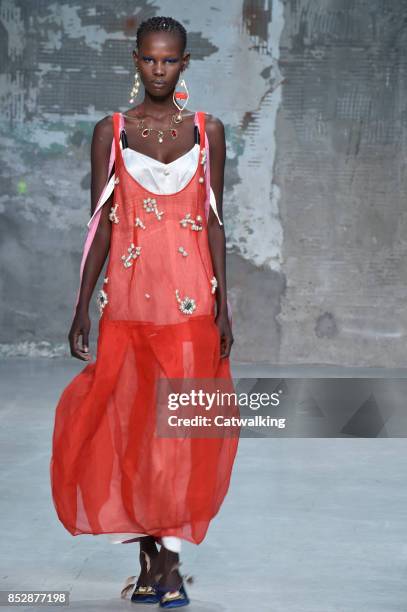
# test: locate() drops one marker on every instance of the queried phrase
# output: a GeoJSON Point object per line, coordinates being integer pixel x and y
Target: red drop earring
{"type": "Point", "coordinates": [180, 95]}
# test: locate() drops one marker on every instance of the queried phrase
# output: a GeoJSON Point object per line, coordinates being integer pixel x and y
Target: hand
{"type": "Point", "coordinates": [226, 336]}
{"type": "Point", "coordinates": [80, 327]}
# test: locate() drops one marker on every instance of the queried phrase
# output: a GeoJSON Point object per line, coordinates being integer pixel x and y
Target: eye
{"type": "Point", "coordinates": [151, 59]}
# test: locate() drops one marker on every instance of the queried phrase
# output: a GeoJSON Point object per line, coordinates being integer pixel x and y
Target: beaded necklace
{"type": "Point", "coordinates": [146, 131]}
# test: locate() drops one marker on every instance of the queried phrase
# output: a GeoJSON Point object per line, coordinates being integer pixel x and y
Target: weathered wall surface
{"type": "Point", "coordinates": [340, 168]}
{"type": "Point", "coordinates": [312, 95]}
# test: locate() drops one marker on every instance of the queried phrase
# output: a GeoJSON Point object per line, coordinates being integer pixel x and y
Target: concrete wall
{"type": "Point", "coordinates": [340, 168]}
{"type": "Point", "coordinates": [312, 95]}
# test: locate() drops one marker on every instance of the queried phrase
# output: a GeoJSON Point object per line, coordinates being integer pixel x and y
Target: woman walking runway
{"type": "Point", "coordinates": [163, 315]}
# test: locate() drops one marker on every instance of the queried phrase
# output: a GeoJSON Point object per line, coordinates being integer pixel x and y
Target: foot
{"type": "Point", "coordinates": [148, 557]}
{"type": "Point", "coordinates": [167, 574]}
{"type": "Point", "coordinates": [141, 586]}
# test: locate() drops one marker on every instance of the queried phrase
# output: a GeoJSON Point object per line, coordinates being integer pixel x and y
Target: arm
{"type": "Point", "coordinates": [216, 233]}
{"type": "Point", "coordinates": [100, 154]}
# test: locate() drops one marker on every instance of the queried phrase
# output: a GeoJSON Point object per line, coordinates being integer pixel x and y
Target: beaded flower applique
{"type": "Point", "coordinates": [133, 253]}
{"type": "Point", "coordinates": [138, 223]}
{"type": "Point", "coordinates": [195, 224]}
{"type": "Point", "coordinates": [113, 214]}
{"type": "Point", "coordinates": [101, 300]}
{"type": "Point", "coordinates": [186, 305]}
{"type": "Point", "coordinates": [150, 205]}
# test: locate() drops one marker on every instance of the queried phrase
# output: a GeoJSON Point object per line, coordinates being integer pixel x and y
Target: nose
{"type": "Point", "coordinates": [159, 69]}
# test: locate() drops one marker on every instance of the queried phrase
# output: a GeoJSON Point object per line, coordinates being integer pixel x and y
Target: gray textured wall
{"type": "Point", "coordinates": [340, 168]}
{"type": "Point", "coordinates": [313, 98]}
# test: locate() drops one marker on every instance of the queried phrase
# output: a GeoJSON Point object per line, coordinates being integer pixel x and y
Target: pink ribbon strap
{"type": "Point", "coordinates": [94, 220]}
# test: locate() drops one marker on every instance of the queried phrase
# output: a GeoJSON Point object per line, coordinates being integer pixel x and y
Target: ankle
{"type": "Point", "coordinates": [171, 579]}
{"type": "Point", "coordinates": [149, 549]}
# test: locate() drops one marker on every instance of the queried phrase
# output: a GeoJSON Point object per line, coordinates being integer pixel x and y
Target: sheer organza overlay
{"type": "Point", "coordinates": [110, 471]}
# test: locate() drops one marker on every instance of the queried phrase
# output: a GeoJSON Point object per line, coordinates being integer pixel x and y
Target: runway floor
{"type": "Point", "coordinates": [309, 524]}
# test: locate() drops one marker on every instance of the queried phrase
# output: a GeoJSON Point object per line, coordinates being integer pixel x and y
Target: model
{"type": "Point", "coordinates": [164, 314]}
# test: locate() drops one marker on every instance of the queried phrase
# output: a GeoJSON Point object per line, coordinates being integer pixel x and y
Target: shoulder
{"type": "Point", "coordinates": [215, 130]}
{"type": "Point", "coordinates": [103, 129]}
{"type": "Point", "coordinates": [213, 124]}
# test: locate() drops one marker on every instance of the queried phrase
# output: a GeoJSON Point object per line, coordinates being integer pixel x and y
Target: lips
{"type": "Point", "coordinates": [158, 83]}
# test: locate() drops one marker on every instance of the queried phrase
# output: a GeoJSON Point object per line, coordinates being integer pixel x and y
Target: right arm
{"type": "Point", "coordinates": [99, 249]}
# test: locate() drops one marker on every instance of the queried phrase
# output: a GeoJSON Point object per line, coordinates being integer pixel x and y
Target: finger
{"type": "Point", "coordinates": [224, 347]}
{"type": "Point", "coordinates": [227, 347]}
{"type": "Point", "coordinates": [85, 341]}
{"type": "Point", "coordinates": [75, 349]}
{"type": "Point", "coordinates": [81, 355]}
{"type": "Point", "coordinates": [73, 340]}
{"type": "Point", "coordinates": [83, 350]}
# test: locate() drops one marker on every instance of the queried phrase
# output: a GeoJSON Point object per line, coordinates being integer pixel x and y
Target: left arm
{"type": "Point", "coordinates": [216, 233]}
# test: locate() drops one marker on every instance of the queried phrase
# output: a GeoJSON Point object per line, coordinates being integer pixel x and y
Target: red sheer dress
{"type": "Point", "coordinates": [110, 471]}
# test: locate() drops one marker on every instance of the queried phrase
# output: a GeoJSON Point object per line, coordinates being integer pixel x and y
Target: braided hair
{"type": "Point", "coordinates": [162, 24]}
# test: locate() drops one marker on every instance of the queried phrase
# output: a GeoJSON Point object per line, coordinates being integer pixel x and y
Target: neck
{"type": "Point", "coordinates": [158, 107]}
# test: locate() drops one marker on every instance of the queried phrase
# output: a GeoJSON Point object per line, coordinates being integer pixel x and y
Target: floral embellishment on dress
{"type": "Point", "coordinates": [150, 205]}
{"type": "Point", "coordinates": [186, 305]}
{"type": "Point", "coordinates": [147, 295]}
{"type": "Point", "coordinates": [116, 180]}
{"type": "Point", "coordinates": [101, 300]}
{"type": "Point", "coordinates": [203, 156]}
{"type": "Point", "coordinates": [182, 250]}
{"type": "Point", "coordinates": [201, 179]}
{"type": "Point", "coordinates": [105, 280]}
{"type": "Point", "coordinates": [214, 284]}
{"type": "Point", "coordinates": [195, 224]}
{"type": "Point", "coordinates": [113, 214]}
{"type": "Point", "coordinates": [138, 223]}
{"type": "Point", "coordinates": [134, 251]}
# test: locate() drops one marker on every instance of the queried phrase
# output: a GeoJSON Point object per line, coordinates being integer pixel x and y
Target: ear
{"type": "Point", "coordinates": [185, 61]}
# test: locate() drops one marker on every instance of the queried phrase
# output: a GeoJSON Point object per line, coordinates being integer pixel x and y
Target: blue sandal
{"type": "Point", "coordinates": [141, 594]}
{"type": "Point", "coordinates": [173, 599]}
{"type": "Point", "coordinates": [145, 594]}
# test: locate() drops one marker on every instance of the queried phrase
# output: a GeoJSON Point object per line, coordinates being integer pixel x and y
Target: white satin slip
{"type": "Point", "coordinates": [158, 177]}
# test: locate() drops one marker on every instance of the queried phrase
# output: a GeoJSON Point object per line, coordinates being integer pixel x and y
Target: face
{"type": "Point", "coordinates": [160, 61]}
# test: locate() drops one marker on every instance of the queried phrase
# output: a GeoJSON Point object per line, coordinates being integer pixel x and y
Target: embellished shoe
{"type": "Point", "coordinates": [145, 594]}
{"type": "Point", "coordinates": [142, 593]}
{"type": "Point", "coordinates": [173, 599]}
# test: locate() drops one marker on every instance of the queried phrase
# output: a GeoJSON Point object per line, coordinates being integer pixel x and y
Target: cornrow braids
{"type": "Point", "coordinates": [162, 24]}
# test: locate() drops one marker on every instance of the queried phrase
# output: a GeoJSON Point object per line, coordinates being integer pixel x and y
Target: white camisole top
{"type": "Point", "coordinates": [158, 177]}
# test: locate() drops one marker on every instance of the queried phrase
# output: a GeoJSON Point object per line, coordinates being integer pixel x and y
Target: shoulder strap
{"type": "Point", "coordinates": [117, 126]}
{"type": "Point", "coordinates": [204, 144]}
{"type": "Point", "coordinates": [201, 126]}
{"type": "Point", "coordinates": [93, 222]}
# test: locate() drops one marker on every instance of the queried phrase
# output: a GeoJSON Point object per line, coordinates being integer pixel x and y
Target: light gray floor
{"type": "Point", "coordinates": [309, 525]}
